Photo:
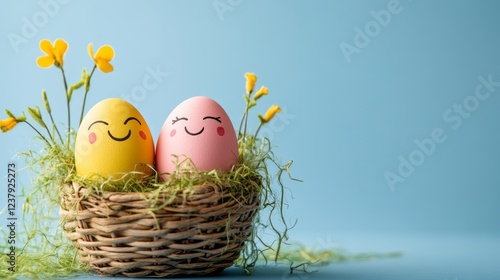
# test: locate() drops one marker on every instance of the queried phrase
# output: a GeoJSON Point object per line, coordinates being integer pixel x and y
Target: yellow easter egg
{"type": "Point", "coordinates": [113, 139]}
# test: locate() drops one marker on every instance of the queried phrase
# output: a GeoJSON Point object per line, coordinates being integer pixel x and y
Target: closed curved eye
{"type": "Point", "coordinates": [178, 119]}
{"type": "Point", "coordinates": [132, 119]}
{"type": "Point", "coordinates": [213, 118]}
{"type": "Point", "coordinates": [96, 122]}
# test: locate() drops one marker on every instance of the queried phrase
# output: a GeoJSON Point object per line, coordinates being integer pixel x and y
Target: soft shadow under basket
{"type": "Point", "coordinates": [189, 233]}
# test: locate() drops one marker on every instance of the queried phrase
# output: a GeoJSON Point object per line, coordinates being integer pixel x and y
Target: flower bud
{"type": "Point", "coordinates": [251, 80]}
{"type": "Point", "coordinates": [46, 101]}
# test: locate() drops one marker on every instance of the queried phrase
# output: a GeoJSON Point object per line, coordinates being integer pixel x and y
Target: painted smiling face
{"type": "Point", "coordinates": [198, 129]}
{"type": "Point", "coordinates": [113, 139]}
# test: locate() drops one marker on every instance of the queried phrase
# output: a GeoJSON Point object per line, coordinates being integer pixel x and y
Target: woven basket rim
{"type": "Point", "coordinates": [122, 196]}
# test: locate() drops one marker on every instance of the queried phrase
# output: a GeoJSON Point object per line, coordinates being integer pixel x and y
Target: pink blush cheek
{"type": "Point", "coordinates": [92, 138]}
{"type": "Point", "coordinates": [173, 132]}
{"type": "Point", "coordinates": [142, 134]}
{"type": "Point", "coordinates": [221, 131]}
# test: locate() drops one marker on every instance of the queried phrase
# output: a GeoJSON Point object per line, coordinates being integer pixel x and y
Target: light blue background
{"type": "Point", "coordinates": [347, 119]}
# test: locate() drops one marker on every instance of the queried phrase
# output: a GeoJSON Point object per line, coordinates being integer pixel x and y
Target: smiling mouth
{"type": "Point", "coordinates": [194, 134]}
{"type": "Point", "coordinates": [120, 139]}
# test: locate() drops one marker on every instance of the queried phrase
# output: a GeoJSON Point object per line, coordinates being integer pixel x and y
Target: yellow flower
{"type": "Point", "coordinates": [55, 53]}
{"type": "Point", "coordinates": [271, 112]}
{"type": "Point", "coordinates": [262, 91]}
{"type": "Point", "coordinates": [8, 124]}
{"type": "Point", "coordinates": [102, 58]}
{"type": "Point", "coordinates": [251, 79]}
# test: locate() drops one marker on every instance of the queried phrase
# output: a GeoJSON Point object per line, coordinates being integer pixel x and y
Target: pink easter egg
{"type": "Point", "coordinates": [198, 129]}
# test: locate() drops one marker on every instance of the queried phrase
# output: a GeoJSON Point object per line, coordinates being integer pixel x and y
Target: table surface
{"type": "Point", "coordinates": [445, 257]}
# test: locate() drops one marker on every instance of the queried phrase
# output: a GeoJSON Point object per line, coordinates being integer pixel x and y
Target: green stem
{"type": "Point", "coordinates": [68, 139]}
{"type": "Point", "coordinates": [85, 94]}
{"type": "Point", "coordinates": [244, 118]}
{"type": "Point", "coordinates": [241, 123]}
{"type": "Point", "coordinates": [51, 136]}
{"type": "Point", "coordinates": [67, 102]}
{"type": "Point", "coordinates": [57, 130]}
{"type": "Point", "coordinates": [64, 80]}
{"type": "Point", "coordinates": [41, 135]}
{"type": "Point", "coordinates": [258, 129]}
{"type": "Point", "coordinates": [246, 121]}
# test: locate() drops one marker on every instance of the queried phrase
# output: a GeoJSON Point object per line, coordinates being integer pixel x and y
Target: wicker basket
{"type": "Point", "coordinates": [120, 234]}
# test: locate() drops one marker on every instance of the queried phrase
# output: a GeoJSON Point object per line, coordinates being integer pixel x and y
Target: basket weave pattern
{"type": "Point", "coordinates": [120, 234]}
